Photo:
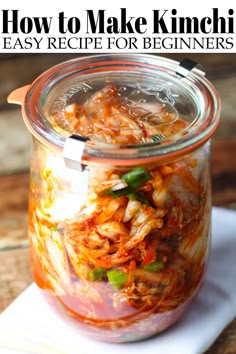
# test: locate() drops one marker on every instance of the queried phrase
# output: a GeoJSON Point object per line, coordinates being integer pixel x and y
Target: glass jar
{"type": "Point", "coordinates": [120, 191]}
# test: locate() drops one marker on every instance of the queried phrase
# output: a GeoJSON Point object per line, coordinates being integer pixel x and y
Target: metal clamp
{"type": "Point", "coordinates": [73, 152]}
{"type": "Point", "coordinates": [187, 65]}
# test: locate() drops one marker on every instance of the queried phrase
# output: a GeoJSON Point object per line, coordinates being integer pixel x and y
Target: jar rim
{"type": "Point", "coordinates": [200, 130]}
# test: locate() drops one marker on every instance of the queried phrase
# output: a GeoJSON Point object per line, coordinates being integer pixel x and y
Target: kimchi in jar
{"type": "Point", "coordinates": [120, 191]}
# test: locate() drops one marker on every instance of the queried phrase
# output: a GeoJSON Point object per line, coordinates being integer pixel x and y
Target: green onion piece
{"type": "Point", "coordinates": [96, 274]}
{"type": "Point", "coordinates": [155, 266]}
{"type": "Point", "coordinates": [118, 193]}
{"type": "Point", "coordinates": [117, 278]}
{"type": "Point", "coordinates": [54, 228]}
{"type": "Point", "coordinates": [137, 177]}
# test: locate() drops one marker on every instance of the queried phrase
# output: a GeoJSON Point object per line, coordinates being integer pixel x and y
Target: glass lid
{"type": "Point", "coordinates": [123, 106]}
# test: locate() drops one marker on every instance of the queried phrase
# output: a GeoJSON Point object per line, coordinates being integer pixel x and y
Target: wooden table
{"type": "Point", "coordinates": [17, 71]}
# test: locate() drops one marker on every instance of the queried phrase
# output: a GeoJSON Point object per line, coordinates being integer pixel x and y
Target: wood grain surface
{"type": "Point", "coordinates": [19, 70]}
{"type": "Point", "coordinates": [15, 274]}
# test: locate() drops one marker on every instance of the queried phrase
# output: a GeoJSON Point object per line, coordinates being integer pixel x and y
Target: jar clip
{"type": "Point", "coordinates": [73, 152]}
{"type": "Point", "coordinates": [187, 65]}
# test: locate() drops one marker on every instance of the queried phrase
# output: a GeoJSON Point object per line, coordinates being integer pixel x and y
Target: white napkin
{"type": "Point", "coordinates": [29, 326]}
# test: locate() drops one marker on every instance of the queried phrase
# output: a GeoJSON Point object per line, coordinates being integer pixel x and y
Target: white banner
{"type": "Point", "coordinates": [122, 26]}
